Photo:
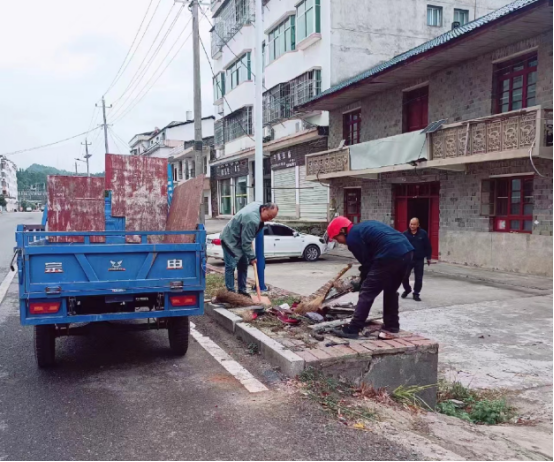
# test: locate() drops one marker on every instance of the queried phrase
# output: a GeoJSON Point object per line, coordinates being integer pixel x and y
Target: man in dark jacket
{"type": "Point", "coordinates": [385, 255]}
{"type": "Point", "coordinates": [422, 250]}
{"type": "Point", "coordinates": [236, 240]}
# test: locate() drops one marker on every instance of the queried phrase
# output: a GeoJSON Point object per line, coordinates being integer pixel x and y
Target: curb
{"type": "Point", "coordinates": [288, 362]}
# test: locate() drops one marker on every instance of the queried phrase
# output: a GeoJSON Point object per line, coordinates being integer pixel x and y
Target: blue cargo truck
{"type": "Point", "coordinates": [68, 280]}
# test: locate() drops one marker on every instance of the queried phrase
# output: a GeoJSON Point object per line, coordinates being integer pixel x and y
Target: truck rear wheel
{"type": "Point", "coordinates": [45, 345]}
{"type": "Point", "coordinates": [178, 329]}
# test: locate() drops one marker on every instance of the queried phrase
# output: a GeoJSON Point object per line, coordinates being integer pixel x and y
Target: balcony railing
{"type": "Point", "coordinates": [500, 132]}
{"type": "Point", "coordinates": [511, 135]}
{"type": "Point", "coordinates": [328, 162]}
{"type": "Point", "coordinates": [229, 20]}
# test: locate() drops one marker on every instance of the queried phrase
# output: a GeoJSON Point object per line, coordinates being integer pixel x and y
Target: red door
{"type": "Point", "coordinates": [434, 227]}
{"type": "Point", "coordinates": [353, 205]}
{"type": "Point", "coordinates": [401, 214]}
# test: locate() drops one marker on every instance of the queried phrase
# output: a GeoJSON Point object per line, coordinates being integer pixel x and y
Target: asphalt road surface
{"type": "Point", "coordinates": [124, 397]}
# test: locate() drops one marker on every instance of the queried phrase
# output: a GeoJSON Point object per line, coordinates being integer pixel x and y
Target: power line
{"type": "Point", "coordinates": [47, 145]}
{"type": "Point", "coordinates": [140, 71]}
{"type": "Point", "coordinates": [113, 136]}
{"type": "Point", "coordinates": [138, 82]}
{"type": "Point", "coordinates": [120, 71]}
{"type": "Point", "coordinates": [139, 99]}
{"type": "Point", "coordinates": [221, 90]}
{"type": "Point", "coordinates": [119, 138]}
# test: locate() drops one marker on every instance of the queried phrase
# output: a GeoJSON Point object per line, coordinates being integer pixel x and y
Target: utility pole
{"type": "Point", "coordinates": [198, 144]}
{"type": "Point", "coordinates": [258, 134]}
{"type": "Point", "coordinates": [76, 172]}
{"type": "Point", "coordinates": [87, 155]}
{"type": "Point", "coordinates": [105, 124]}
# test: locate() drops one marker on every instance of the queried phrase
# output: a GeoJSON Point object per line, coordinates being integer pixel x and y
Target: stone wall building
{"type": "Point", "coordinates": [458, 132]}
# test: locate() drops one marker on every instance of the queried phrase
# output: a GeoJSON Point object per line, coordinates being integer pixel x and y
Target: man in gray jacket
{"type": "Point", "coordinates": [236, 240]}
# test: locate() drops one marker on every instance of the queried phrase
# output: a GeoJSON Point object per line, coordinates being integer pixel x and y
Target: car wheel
{"type": "Point", "coordinates": [311, 253]}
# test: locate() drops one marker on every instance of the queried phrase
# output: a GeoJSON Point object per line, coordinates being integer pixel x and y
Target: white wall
{"type": "Point", "coordinates": [240, 96]}
{"type": "Point", "coordinates": [367, 32]}
{"type": "Point", "coordinates": [186, 132]}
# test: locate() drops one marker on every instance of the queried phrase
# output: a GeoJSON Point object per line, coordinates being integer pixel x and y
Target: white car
{"type": "Point", "coordinates": [280, 241]}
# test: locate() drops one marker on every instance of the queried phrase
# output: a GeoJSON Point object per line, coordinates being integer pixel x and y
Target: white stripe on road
{"type": "Point", "coordinates": [6, 284]}
{"type": "Point", "coordinates": [252, 384]}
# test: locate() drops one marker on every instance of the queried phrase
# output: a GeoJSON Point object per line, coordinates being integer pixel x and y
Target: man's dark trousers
{"type": "Point", "coordinates": [385, 275]}
{"type": "Point", "coordinates": [417, 266]}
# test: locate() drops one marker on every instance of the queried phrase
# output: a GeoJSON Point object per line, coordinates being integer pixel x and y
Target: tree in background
{"type": "Point", "coordinates": [3, 202]}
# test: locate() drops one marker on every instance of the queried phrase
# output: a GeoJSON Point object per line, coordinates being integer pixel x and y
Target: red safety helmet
{"type": "Point", "coordinates": [336, 226]}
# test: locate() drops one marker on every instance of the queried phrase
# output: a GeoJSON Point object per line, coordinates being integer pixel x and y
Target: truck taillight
{"type": "Point", "coordinates": [183, 300]}
{"type": "Point", "coordinates": [44, 307]}
{"type": "Point", "coordinates": [216, 241]}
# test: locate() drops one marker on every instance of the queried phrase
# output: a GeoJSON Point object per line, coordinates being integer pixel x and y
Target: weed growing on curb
{"type": "Point", "coordinates": [480, 407]}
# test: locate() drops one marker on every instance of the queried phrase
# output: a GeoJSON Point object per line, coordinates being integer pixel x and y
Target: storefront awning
{"type": "Point", "coordinates": [384, 152]}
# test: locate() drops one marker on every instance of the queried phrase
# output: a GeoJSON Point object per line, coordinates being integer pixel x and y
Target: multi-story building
{"type": "Point", "coordinates": [8, 172]}
{"type": "Point", "coordinates": [160, 142]}
{"type": "Point", "coordinates": [309, 46]}
{"type": "Point", "coordinates": [456, 132]}
{"type": "Point", "coordinates": [183, 166]}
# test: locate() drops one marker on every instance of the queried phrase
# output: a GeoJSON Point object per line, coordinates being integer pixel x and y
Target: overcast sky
{"type": "Point", "coordinates": [58, 57]}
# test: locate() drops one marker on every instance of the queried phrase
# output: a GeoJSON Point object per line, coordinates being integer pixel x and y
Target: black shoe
{"type": "Point", "coordinates": [246, 294]}
{"type": "Point", "coordinates": [347, 332]}
{"type": "Point", "coordinates": [416, 298]}
{"type": "Point", "coordinates": [406, 293]}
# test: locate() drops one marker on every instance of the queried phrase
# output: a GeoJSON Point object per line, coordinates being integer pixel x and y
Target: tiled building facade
{"type": "Point", "coordinates": [487, 200]}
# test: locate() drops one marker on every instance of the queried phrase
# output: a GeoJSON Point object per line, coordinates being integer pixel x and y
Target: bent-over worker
{"type": "Point", "coordinates": [236, 240]}
{"type": "Point", "coordinates": [422, 250]}
{"type": "Point", "coordinates": [385, 255]}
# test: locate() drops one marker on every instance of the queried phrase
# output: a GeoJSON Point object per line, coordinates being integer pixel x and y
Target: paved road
{"type": "Point", "coordinates": [125, 397]}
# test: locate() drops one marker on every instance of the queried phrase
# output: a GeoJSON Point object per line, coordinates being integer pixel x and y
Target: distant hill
{"type": "Point", "coordinates": [36, 174]}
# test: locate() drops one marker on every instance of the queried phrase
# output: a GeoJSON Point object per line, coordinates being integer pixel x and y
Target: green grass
{"type": "Point", "coordinates": [214, 282]}
{"type": "Point", "coordinates": [486, 407]}
{"type": "Point", "coordinates": [290, 299]}
{"type": "Point", "coordinates": [335, 397]}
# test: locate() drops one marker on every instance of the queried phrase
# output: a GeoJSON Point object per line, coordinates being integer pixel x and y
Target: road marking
{"type": "Point", "coordinates": [252, 384]}
{"type": "Point", "coordinates": [6, 285]}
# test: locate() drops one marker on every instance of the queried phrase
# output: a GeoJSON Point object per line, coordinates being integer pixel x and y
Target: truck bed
{"type": "Point", "coordinates": [114, 271]}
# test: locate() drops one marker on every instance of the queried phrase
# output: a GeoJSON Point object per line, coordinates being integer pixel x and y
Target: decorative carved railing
{"type": "Point", "coordinates": [328, 162]}
{"type": "Point", "coordinates": [501, 132]}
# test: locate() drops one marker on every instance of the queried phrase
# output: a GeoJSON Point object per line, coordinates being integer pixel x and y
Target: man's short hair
{"type": "Point", "coordinates": [270, 206]}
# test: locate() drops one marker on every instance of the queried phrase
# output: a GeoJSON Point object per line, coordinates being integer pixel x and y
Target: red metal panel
{"type": "Point", "coordinates": [139, 191]}
{"type": "Point", "coordinates": [76, 203]}
{"type": "Point", "coordinates": [183, 213]}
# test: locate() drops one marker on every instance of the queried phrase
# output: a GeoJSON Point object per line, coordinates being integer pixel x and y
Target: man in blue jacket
{"type": "Point", "coordinates": [385, 255]}
{"type": "Point", "coordinates": [422, 250]}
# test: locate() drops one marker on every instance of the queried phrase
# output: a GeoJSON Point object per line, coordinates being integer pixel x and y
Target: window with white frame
{"type": "Point", "coordinates": [282, 38]}
{"type": "Point", "coordinates": [226, 199]}
{"type": "Point", "coordinates": [434, 16]}
{"type": "Point", "coordinates": [461, 16]}
{"type": "Point", "coordinates": [239, 71]}
{"type": "Point", "coordinates": [308, 19]}
{"type": "Point", "coordinates": [219, 86]}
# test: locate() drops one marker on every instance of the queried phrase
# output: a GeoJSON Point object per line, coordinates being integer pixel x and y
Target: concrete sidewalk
{"type": "Point", "coordinates": [512, 280]}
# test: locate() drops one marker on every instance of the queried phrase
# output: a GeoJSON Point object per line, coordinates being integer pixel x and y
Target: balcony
{"type": "Point", "coordinates": [501, 133]}
{"type": "Point", "coordinates": [516, 134]}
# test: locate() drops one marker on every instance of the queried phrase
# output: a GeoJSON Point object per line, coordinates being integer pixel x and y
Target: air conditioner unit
{"type": "Point", "coordinates": [267, 132]}
{"type": "Point", "coordinates": [220, 109]}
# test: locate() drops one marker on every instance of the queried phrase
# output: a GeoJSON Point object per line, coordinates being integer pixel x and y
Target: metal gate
{"type": "Point", "coordinates": [313, 201]}
{"type": "Point", "coordinates": [285, 198]}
